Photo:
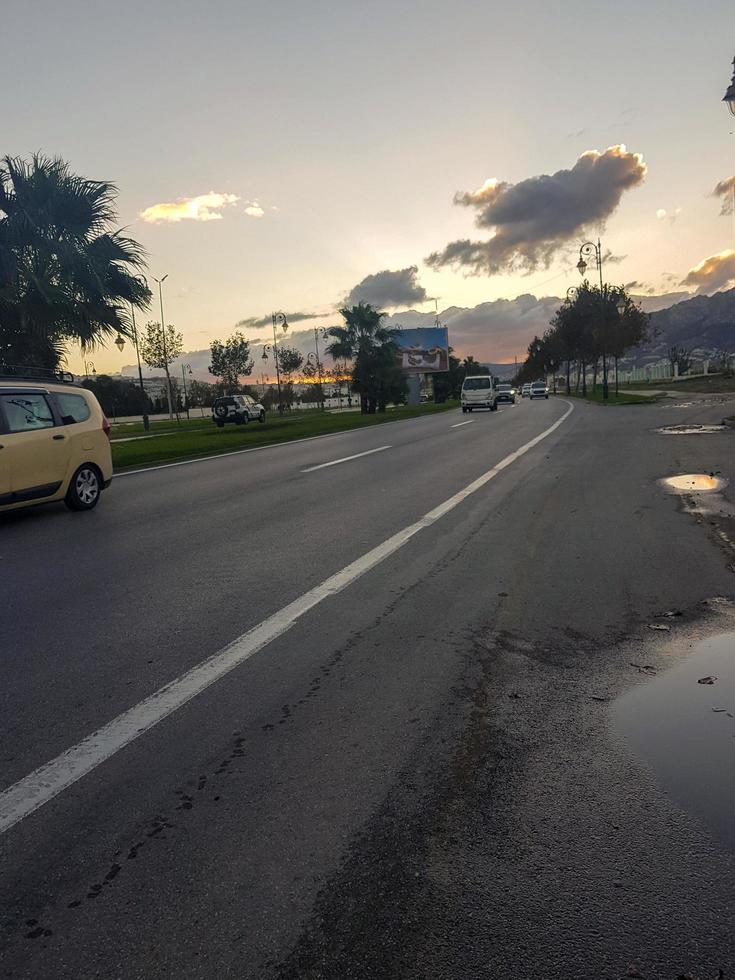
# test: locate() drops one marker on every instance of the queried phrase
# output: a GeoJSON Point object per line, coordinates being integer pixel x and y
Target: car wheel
{"type": "Point", "coordinates": [85, 488]}
{"type": "Point", "coordinates": [261, 417]}
{"type": "Point", "coordinates": [494, 407]}
{"type": "Point", "coordinates": [469, 409]}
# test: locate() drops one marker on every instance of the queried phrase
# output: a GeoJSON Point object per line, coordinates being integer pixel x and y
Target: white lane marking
{"type": "Point", "coordinates": [457, 424]}
{"type": "Point", "coordinates": [345, 459]}
{"type": "Point", "coordinates": [271, 445]}
{"type": "Point", "coordinates": [52, 778]}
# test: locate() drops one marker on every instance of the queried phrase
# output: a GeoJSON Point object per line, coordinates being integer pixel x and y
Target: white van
{"type": "Point", "coordinates": [479, 391]}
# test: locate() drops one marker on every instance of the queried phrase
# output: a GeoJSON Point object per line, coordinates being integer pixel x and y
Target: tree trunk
{"type": "Point", "coordinates": [616, 375]}
{"type": "Point", "coordinates": [584, 379]}
{"type": "Point", "coordinates": [569, 389]}
{"type": "Point", "coordinates": [594, 379]}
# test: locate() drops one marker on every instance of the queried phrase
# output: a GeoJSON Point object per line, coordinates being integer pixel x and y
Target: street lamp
{"type": "Point", "coordinates": [184, 369]}
{"type": "Point", "coordinates": [572, 293]}
{"type": "Point", "coordinates": [278, 318]}
{"type": "Point", "coordinates": [586, 251]}
{"type": "Point", "coordinates": [325, 334]}
{"type": "Point", "coordinates": [729, 96]}
{"type": "Point", "coordinates": [120, 342]}
{"type": "Point", "coordinates": [163, 343]}
{"type": "Point", "coordinates": [89, 367]}
{"type": "Point", "coordinates": [144, 396]}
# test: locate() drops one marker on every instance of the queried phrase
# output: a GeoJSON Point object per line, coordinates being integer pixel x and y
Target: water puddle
{"type": "Point", "coordinates": [690, 430]}
{"type": "Point", "coordinates": [694, 483]}
{"type": "Point", "coordinates": [682, 723]}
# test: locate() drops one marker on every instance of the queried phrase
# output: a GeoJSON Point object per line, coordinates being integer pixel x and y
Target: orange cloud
{"type": "Point", "coordinates": [205, 207]}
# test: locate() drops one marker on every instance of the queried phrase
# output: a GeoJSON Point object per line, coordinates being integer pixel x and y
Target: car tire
{"type": "Point", "coordinates": [261, 418]}
{"type": "Point", "coordinates": [85, 488]}
{"type": "Point", "coordinates": [546, 397]}
{"type": "Point", "coordinates": [494, 407]}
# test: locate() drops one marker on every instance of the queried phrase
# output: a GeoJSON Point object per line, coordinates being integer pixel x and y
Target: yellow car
{"type": "Point", "coordinates": [54, 445]}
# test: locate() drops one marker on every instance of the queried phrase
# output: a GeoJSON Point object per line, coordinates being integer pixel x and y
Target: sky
{"type": "Point", "coordinates": [303, 149]}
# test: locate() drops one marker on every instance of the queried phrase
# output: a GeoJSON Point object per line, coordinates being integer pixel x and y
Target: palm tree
{"type": "Point", "coordinates": [371, 348]}
{"type": "Point", "coordinates": [65, 274]}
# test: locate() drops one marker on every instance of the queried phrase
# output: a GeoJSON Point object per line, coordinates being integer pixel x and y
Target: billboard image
{"type": "Point", "coordinates": [424, 350]}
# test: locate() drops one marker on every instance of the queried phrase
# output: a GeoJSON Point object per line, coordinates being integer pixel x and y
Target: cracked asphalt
{"type": "Point", "coordinates": [421, 779]}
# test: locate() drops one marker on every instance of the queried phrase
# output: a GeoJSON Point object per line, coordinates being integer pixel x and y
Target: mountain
{"type": "Point", "coordinates": [702, 324]}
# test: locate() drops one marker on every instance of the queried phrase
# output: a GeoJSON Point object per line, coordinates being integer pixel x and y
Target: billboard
{"type": "Point", "coordinates": [423, 351]}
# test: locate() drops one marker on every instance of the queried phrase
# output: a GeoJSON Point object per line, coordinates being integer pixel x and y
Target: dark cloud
{"type": "Point", "coordinates": [608, 258]}
{"type": "Point", "coordinates": [725, 190]}
{"type": "Point", "coordinates": [712, 273]}
{"type": "Point", "coordinates": [251, 322]}
{"type": "Point", "coordinates": [390, 288]}
{"type": "Point", "coordinates": [533, 220]}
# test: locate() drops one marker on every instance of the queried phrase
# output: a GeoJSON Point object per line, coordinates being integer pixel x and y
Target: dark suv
{"type": "Point", "coordinates": [239, 409]}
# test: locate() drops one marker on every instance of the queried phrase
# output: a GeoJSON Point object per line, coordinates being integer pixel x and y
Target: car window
{"type": "Point", "coordinates": [476, 384]}
{"type": "Point", "coordinates": [248, 400]}
{"type": "Point", "coordinates": [504, 387]}
{"type": "Point", "coordinates": [73, 408]}
{"type": "Point", "coordinates": [25, 413]}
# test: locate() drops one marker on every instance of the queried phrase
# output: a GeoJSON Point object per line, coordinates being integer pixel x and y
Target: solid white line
{"type": "Point", "coordinates": [457, 424]}
{"type": "Point", "coordinates": [52, 778]}
{"type": "Point", "coordinates": [345, 459]}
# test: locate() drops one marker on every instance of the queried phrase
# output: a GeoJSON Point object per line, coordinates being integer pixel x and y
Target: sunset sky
{"type": "Point", "coordinates": [273, 155]}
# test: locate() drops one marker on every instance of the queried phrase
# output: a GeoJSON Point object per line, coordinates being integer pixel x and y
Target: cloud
{"type": "Point", "coordinates": [712, 273]}
{"type": "Point", "coordinates": [251, 322]}
{"type": "Point", "coordinates": [533, 220]}
{"type": "Point", "coordinates": [206, 207]}
{"type": "Point", "coordinates": [726, 190]}
{"type": "Point", "coordinates": [608, 258]}
{"type": "Point", "coordinates": [254, 209]}
{"type": "Point", "coordinates": [663, 215]}
{"type": "Point", "coordinates": [389, 288]}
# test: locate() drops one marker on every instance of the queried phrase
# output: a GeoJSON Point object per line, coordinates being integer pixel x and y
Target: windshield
{"type": "Point", "coordinates": [476, 384]}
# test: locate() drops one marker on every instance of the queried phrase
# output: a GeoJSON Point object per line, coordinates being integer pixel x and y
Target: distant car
{"type": "Point", "coordinates": [539, 389]}
{"type": "Point", "coordinates": [54, 444]}
{"type": "Point", "coordinates": [506, 393]}
{"type": "Point", "coordinates": [239, 409]}
{"type": "Point", "coordinates": [526, 391]}
{"type": "Point", "coordinates": [478, 391]}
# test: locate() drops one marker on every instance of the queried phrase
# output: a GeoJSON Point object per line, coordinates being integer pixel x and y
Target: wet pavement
{"type": "Point", "coordinates": [682, 724]}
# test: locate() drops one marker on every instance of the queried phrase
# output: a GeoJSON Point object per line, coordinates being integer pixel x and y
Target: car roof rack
{"type": "Point", "coordinates": [25, 372]}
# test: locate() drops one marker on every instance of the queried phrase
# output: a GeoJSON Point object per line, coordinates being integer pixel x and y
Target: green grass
{"type": "Point", "coordinates": [622, 398]}
{"type": "Point", "coordinates": [197, 441]}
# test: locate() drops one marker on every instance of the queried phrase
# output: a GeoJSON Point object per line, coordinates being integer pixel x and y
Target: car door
{"type": "Point", "coordinates": [250, 406]}
{"type": "Point", "coordinates": [35, 448]}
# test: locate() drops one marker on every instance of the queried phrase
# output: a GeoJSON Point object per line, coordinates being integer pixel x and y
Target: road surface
{"type": "Point", "coordinates": [402, 764]}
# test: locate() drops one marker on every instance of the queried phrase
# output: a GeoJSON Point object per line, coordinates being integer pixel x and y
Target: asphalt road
{"type": "Point", "coordinates": [414, 779]}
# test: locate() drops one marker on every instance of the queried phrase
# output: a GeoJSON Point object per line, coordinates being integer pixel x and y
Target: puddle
{"type": "Point", "coordinates": [694, 483]}
{"type": "Point", "coordinates": [690, 430]}
{"type": "Point", "coordinates": [685, 731]}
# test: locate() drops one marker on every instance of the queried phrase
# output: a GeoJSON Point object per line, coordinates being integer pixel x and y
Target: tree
{"type": "Point", "coordinates": [118, 397]}
{"type": "Point", "coordinates": [158, 348]}
{"type": "Point", "coordinates": [376, 373]}
{"type": "Point", "coordinates": [65, 275]}
{"type": "Point", "coordinates": [471, 366]}
{"type": "Point", "coordinates": [201, 394]}
{"type": "Point", "coordinates": [680, 360]}
{"type": "Point", "coordinates": [231, 360]}
{"type": "Point", "coordinates": [290, 360]}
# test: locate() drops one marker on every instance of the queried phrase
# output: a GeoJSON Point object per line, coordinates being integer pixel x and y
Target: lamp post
{"type": "Point", "coordinates": [146, 420]}
{"type": "Point", "coordinates": [277, 318]}
{"type": "Point", "coordinates": [590, 250]}
{"type": "Point", "coordinates": [184, 369]}
{"type": "Point", "coordinates": [729, 96]}
{"type": "Point", "coordinates": [325, 333]}
{"type": "Point", "coordinates": [89, 366]}
{"type": "Point", "coordinates": [163, 343]}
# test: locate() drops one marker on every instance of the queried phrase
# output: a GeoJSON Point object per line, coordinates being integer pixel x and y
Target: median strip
{"type": "Point", "coordinates": [49, 780]}
{"type": "Point", "coordinates": [345, 459]}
